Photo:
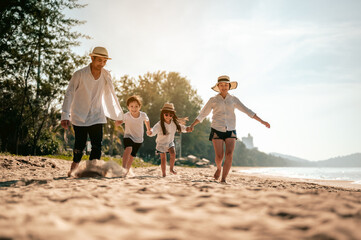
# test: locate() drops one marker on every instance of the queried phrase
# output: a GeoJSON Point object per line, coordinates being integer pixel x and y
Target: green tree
{"type": "Point", "coordinates": [36, 64]}
{"type": "Point", "coordinates": [157, 88]}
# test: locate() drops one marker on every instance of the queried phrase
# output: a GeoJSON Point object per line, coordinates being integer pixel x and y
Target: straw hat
{"type": "Point", "coordinates": [168, 107]}
{"type": "Point", "coordinates": [100, 52]}
{"type": "Point", "coordinates": [226, 79]}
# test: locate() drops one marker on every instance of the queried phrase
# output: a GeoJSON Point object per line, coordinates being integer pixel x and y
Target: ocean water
{"type": "Point", "coordinates": [342, 174]}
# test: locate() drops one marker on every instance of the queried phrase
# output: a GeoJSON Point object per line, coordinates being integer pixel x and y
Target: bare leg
{"type": "Point", "coordinates": [74, 165]}
{"type": "Point", "coordinates": [129, 162]}
{"type": "Point", "coordinates": [172, 160]}
{"type": "Point", "coordinates": [163, 164]}
{"type": "Point", "coordinates": [126, 156]}
{"type": "Point", "coordinates": [230, 143]}
{"type": "Point", "coordinates": [218, 150]}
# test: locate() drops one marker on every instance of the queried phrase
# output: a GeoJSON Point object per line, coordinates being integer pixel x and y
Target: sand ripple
{"type": "Point", "coordinates": [44, 204]}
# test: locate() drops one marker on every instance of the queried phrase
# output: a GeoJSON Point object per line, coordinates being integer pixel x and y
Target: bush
{"type": "Point", "coordinates": [47, 145]}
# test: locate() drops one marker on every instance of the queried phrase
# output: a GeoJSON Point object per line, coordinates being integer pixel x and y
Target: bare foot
{"type": "Point", "coordinates": [130, 172]}
{"type": "Point", "coordinates": [217, 174]}
{"type": "Point", "coordinates": [223, 181]}
{"type": "Point", "coordinates": [74, 166]}
{"type": "Point", "coordinates": [164, 175]}
{"type": "Point", "coordinates": [126, 172]}
{"type": "Point", "coordinates": [173, 171]}
{"type": "Point", "coordinates": [70, 173]}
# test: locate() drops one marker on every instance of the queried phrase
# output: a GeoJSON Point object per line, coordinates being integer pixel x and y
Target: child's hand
{"type": "Point", "coordinates": [149, 132]}
{"type": "Point", "coordinates": [189, 129]}
{"type": "Point", "coordinates": [117, 123]}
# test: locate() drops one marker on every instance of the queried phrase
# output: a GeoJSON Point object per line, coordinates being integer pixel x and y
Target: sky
{"type": "Point", "coordinates": [297, 63]}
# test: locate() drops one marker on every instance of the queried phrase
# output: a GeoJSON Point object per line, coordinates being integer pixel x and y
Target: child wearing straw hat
{"type": "Point", "coordinates": [165, 130]}
{"type": "Point", "coordinates": [223, 127]}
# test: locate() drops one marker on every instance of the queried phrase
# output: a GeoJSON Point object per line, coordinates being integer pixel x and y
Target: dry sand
{"type": "Point", "coordinates": [37, 201]}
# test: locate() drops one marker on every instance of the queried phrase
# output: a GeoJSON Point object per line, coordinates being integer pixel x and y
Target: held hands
{"type": "Point", "coordinates": [189, 129]}
{"type": "Point", "coordinates": [118, 123]}
{"type": "Point", "coordinates": [149, 132]}
{"type": "Point", "coordinates": [65, 124]}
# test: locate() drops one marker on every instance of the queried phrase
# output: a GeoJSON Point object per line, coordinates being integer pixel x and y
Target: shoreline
{"type": "Point", "coordinates": [38, 201]}
{"type": "Point", "coordinates": [325, 182]}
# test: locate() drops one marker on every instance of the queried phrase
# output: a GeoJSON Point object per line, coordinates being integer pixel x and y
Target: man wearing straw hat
{"type": "Point", "coordinates": [89, 99]}
{"type": "Point", "coordinates": [223, 127]}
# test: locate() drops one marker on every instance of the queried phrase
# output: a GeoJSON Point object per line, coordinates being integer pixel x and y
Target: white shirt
{"type": "Point", "coordinates": [224, 118]}
{"type": "Point", "coordinates": [88, 101]}
{"type": "Point", "coordinates": [134, 128]}
{"type": "Point", "coordinates": [164, 142]}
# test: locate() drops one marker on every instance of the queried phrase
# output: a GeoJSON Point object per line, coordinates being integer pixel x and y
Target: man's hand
{"type": "Point", "coordinates": [65, 124]}
{"type": "Point", "coordinates": [118, 123]}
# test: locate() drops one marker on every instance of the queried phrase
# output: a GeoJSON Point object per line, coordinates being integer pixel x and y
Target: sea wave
{"type": "Point", "coordinates": [340, 174]}
{"type": "Point", "coordinates": [357, 182]}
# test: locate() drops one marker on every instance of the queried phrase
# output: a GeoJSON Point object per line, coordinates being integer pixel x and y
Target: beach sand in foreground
{"type": "Point", "coordinates": [37, 201]}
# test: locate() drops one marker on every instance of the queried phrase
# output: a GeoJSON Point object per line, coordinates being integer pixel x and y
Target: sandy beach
{"type": "Point", "coordinates": [38, 201]}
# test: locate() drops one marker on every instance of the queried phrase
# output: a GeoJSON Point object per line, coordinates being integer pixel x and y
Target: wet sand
{"type": "Point", "coordinates": [38, 201]}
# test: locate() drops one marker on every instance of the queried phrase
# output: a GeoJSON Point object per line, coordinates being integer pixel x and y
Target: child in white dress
{"type": "Point", "coordinates": [165, 130]}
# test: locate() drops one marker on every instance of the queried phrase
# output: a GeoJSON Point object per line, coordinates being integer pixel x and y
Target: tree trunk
{"type": "Point", "coordinates": [20, 121]}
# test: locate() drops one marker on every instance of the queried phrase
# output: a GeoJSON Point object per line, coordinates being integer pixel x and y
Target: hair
{"type": "Point", "coordinates": [176, 120]}
{"type": "Point", "coordinates": [228, 84]}
{"type": "Point", "coordinates": [134, 98]}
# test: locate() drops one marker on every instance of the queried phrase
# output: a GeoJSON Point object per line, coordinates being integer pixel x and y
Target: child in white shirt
{"type": "Point", "coordinates": [134, 130]}
{"type": "Point", "coordinates": [165, 130]}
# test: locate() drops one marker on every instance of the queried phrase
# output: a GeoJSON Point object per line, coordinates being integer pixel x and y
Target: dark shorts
{"type": "Point", "coordinates": [157, 152]}
{"type": "Point", "coordinates": [222, 135]}
{"type": "Point", "coordinates": [135, 146]}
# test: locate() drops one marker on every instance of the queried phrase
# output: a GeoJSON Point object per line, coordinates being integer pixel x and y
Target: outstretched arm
{"type": "Point", "coordinates": [147, 125]}
{"type": "Point", "coordinates": [154, 131]}
{"type": "Point", "coordinates": [261, 121]}
{"type": "Point", "coordinates": [206, 110]}
{"type": "Point", "coordinates": [191, 127]}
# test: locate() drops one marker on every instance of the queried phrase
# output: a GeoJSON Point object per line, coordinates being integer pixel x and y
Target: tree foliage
{"type": "Point", "coordinates": [36, 64]}
{"type": "Point", "coordinates": [157, 88]}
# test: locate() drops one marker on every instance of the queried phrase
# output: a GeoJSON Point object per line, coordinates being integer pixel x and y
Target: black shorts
{"type": "Point", "coordinates": [135, 146]}
{"type": "Point", "coordinates": [222, 135]}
